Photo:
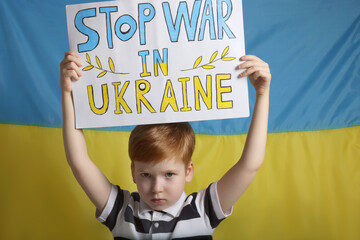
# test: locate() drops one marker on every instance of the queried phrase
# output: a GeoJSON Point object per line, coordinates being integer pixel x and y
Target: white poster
{"type": "Point", "coordinates": [156, 61]}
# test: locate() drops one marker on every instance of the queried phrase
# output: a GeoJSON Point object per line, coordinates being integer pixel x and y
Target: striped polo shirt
{"type": "Point", "coordinates": [192, 217]}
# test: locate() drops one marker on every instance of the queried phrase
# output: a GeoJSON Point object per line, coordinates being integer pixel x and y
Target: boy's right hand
{"type": "Point", "coordinates": [90, 177]}
{"type": "Point", "coordinates": [69, 70]}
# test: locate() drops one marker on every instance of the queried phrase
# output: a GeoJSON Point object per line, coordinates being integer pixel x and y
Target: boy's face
{"type": "Point", "coordinates": [161, 185]}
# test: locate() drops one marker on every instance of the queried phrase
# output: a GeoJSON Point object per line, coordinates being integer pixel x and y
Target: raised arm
{"type": "Point", "coordinates": [92, 180]}
{"type": "Point", "coordinates": [234, 183]}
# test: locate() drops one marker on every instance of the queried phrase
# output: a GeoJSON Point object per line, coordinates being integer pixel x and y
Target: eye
{"type": "Point", "coordinates": [145, 175]}
{"type": "Point", "coordinates": [169, 175]}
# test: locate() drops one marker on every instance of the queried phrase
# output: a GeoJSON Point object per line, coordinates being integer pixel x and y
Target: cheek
{"type": "Point", "coordinates": [143, 185]}
{"type": "Point", "coordinates": [176, 185]}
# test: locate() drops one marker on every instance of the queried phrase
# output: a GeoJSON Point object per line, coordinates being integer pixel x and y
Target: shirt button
{"type": "Point", "coordinates": [156, 225]}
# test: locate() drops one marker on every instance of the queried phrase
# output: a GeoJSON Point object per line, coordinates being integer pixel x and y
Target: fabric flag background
{"type": "Point", "coordinates": [309, 184]}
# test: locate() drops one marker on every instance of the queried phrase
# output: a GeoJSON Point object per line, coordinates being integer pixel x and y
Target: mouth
{"type": "Point", "coordinates": [158, 200]}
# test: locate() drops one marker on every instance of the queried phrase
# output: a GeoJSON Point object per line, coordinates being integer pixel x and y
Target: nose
{"type": "Point", "coordinates": [157, 186]}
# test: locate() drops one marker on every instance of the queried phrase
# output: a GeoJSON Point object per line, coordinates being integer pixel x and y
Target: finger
{"type": "Point", "coordinates": [254, 72]}
{"type": "Point", "coordinates": [253, 69]}
{"type": "Point", "coordinates": [75, 59]}
{"type": "Point", "coordinates": [247, 72]}
{"type": "Point", "coordinates": [69, 75]}
{"type": "Point", "coordinates": [72, 66]}
{"type": "Point", "coordinates": [72, 53]}
{"type": "Point", "coordinates": [75, 75]}
{"type": "Point", "coordinates": [71, 70]}
{"type": "Point", "coordinates": [250, 57]}
{"type": "Point", "coordinates": [72, 75]}
{"type": "Point", "coordinates": [265, 76]}
{"type": "Point", "coordinates": [253, 63]}
{"type": "Point", "coordinates": [71, 58]}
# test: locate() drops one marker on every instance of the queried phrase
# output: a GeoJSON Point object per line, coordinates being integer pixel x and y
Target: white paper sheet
{"type": "Point", "coordinates": [153, 62]}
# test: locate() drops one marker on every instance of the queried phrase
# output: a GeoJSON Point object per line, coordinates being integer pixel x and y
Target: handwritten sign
{"type": "Point", "coordinates": [157, 61]}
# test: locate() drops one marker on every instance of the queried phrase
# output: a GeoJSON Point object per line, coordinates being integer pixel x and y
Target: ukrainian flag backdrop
{"type": "Point", "coordinates": [309, 184]}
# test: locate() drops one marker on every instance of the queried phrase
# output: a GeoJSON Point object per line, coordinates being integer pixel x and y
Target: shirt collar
{"type": "Point", "coordinates": [173, 210]}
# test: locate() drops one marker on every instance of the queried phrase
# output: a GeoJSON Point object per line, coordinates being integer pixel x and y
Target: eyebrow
{"type": "Point", "coordinates": [171, 170]}
{"type": "Point", "coordinates": [166, 171]}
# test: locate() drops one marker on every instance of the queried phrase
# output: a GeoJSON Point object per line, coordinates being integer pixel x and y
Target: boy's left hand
{"type": "Point", "coordinates": [258, 72]}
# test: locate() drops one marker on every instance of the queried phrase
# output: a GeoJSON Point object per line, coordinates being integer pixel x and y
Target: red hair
{"type": "Point", "coordinates": [156, 142]}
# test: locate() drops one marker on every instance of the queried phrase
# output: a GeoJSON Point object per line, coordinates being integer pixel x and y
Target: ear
{"type": "Point", "coordinates": [133, 172]}
{"type": "Point", "coordinates": [189, 172]}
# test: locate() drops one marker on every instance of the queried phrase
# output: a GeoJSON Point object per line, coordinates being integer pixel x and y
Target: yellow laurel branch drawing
{"type": "Point", "coordinates": [228, 58]}
{"type": "Point", "coordinates": [99, 67]}
{"type": "Point", "coordinates": [88, 68]}
{"type": "Point", "coordinates": [111, 65]}
{"type": "Point", "coordinates": [197, 62]}
{"type": "Point", "coordinates": [98, 62]}
{"type": "Point", "coordinates": [225, 51]}
{"type": "Point", "coordinates": [88, 58]}
{"type": "Point", "coordinates": [213, 56]}
{"type": "Point", "coordinates": [211, 60]}
{"type": "Point", "coordinates": [102, 74]}
{"type": "Point", "coordinates": [208, 66]}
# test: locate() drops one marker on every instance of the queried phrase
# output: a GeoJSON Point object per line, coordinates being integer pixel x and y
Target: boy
{"type": "Point", "coordinates": [160, 165]}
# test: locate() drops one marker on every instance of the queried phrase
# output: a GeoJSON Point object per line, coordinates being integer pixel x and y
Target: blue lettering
{"type": "Point", "coordinates": [93, 36]}
{"type": "Point", "coordinates": [107, 11]}
{"type": "Point", "coordinates": [125, 35]}
{"type": "Point", "coordinates": [161, 62]}
{"type": "Point", "coordinates": [207, 16]}
{"type": "Point", "coordinates": [143, 55]}
{"type": "Point", "coordinates": [221, 18]}
{"type": "Point", "coordinates": [182, 13]}
{"type": "Point", "coordinates": [143, 18]}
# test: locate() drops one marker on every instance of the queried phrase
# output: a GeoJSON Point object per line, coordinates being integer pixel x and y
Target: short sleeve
{"type": "Point", "coordinates": [113, 206]}
{"type": "Point", "coordinates": [109, 204]}
{"type": "Point", "coordinates": [212, 206]}
{"type": "Point", "coordinates": [216, 202]}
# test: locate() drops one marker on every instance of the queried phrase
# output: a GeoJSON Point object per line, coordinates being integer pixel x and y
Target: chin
{"type": "Point", "coordinates": [158, 207]}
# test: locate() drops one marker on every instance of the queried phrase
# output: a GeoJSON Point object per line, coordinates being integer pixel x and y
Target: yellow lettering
{"type": "Point", "coordinates": [220, 90]}
{"type": "Point", "coordinates": [169, 100]}
{"type": "Point", "coordinates": [105, 97]}
{"type": "Point", "coordinates": [145, 73]}
{"type": "Point", "coordinates": [119, 97]}
{"type": "Point", "coordinates": [163, 67]}
{"type": "Point", "coordinates": [142, 87]}
{"type": "Point", "coordinates": [199, 90]}
{"type": "Point", "coordinates": [161, 62]}
{"type": "Point", "coordinates": [184, 94]}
